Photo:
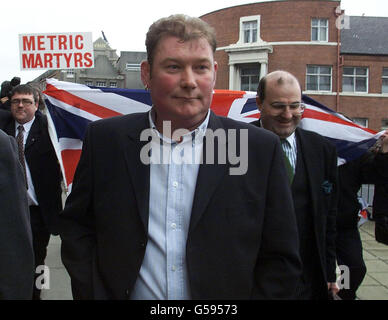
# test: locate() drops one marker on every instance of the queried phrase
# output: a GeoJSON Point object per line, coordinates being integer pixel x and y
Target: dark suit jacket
{"type": "Point", "coordinates": [242, 240]}
{"type": "Point", "coordinates": [16, 253]}
{"type": "Point", "coordinates": [380, 212]}
{"type": "Point", "coordinates": [44, 167]}
{"type": "Point", "coordinates": [320, 158]}
{"type": "Point", "coordinates": [367, 169]}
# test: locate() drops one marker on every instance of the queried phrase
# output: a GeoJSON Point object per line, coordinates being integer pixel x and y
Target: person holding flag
{"type": "Point", "coordinates": [370, 168]}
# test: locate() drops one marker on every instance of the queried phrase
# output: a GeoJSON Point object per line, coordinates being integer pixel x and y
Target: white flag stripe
{"type": "Point", "coordinates": [112, 101]}
{"type": "Point", "coordinates": [69, 108]}
{"type": "Point", "coordinates": [109, 100]}
{"type": "Point", "coordinates": [70, 144]}
{"type": "Point", "coordinates": [335, 130]}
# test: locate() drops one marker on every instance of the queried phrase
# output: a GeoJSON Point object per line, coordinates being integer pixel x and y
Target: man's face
{"type": "Point", "coordinates": [278, 111]}
{"type": "Point", "coordinates": [23, 107]}
{"type": "Point", "coordinates": [181, 80]}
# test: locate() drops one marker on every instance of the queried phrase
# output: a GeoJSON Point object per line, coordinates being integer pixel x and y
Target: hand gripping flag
{"type": "Point", "coordinates": [71, 107]}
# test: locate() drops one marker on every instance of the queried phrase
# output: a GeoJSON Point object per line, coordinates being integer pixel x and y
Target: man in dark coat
{"type": "Point", "coordinates": [16, 253]}
{"type": "Point", "coordinates": [40, 164]}
{"type": "Point", "coordinates": [135, 227]}
{"type": "Point", "coordinates": [311, 163]}
{"type": "Point", "coordinates": [370, 168]}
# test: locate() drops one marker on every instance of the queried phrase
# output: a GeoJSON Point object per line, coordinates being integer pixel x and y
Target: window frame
{"type": "Point", "coordinates": [384, 77]}
{"type": "Point", "coordinates": [383, 127]}
{"type": "Point", "coordinates": [249, 76]}
{"type": "Point", "coordinates": [251, 27]}
{"type": "Point", "coordinates": [101, 84]}
{"type": "Point", "coordinates": [70, 73]}
{"type": "Point", "coordinates": [318, 75]}
{"type": "Point", "coordinates": [250, 19]}
{"type": "Point", "coordinates": [132, 66]}
{"type": "Point", "coordinates": [354, 76]}
{"type": "Point", "coordinates": [319, 29]}
{"type": "Point", "coordinates": [358, 121]}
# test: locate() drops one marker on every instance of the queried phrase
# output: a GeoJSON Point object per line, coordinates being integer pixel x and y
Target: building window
{"type": "Point", "coordinates": [319, 29]}
{"type": "Point", "coordinates": [361, 121]}
{"type": "Point", "coordinates": [89, 83]}
{"type": "Point", "coordinates": [132, 67]}
{"type": "Point", "coordinates": [101, 84]}
{"type": "Point", "coordinates": [318, 78]}
{"type": "Point", "coordinates": [355, 79]}
{"type": "Point", "coordinates": [384, 88]}
{"type": "Point", "coordinates": [250, 31]}
{"type": "Point", "coordinates": [113, 84]}
{"type": "Point", "coordinates": [70, 73]}
{"type": "Point", "coordinates": [384, 124]}
{"type": "Point", "coordinates": [249, 75]}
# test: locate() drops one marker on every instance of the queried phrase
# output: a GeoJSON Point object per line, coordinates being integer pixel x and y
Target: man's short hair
{"type": "Point", "coordinates": [263, 82]}
{"type": "Point", "coordinates": [261, 89]}
{"type": "Point", "coordinates": [184, 27]}
{"type": "Point", "coordinates": [25, 89]}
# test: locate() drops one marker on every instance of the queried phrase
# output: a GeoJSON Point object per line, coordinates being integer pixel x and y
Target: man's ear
{"type": "Point", "coordinates": [259, 103]}
{"type": "Point", "coordinates": [36, 103]}
{"type": "Point", "coordinates": [215, 72]}
{"type": "Point", "coordinates": [145, 73]}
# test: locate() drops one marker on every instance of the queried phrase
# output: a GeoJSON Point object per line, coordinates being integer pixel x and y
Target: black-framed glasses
{"type": "Point", "coordinates": [25, 102]}
{"type": "Point", "coordinates": [295, 107]}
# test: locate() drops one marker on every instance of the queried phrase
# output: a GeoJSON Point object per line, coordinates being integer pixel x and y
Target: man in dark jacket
{"type": "Point", "coordinates": [371, 168]}
{"type": "Point", "coordinates": [16, 254]}
{"type": "Point", "coordinates": [40, 166]}
{"type": "Point", "coordinates": [311, 162]}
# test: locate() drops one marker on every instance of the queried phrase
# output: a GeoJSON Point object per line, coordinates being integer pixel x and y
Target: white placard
{"type": "Point", "coordinates": [56, 50]}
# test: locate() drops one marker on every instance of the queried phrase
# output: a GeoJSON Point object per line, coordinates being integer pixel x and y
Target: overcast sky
{"type": "Point", "coordinates": [124, 22]}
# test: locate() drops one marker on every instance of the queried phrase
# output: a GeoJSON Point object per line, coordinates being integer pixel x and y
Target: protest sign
{"type": "Point", "coordinates": [56, 50]}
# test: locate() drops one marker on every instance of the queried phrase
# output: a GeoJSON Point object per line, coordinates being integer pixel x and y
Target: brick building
{"type": "Point", "coordinates": [335, 58]}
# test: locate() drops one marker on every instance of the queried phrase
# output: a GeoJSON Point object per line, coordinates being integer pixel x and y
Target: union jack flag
{"type": "Point", "coordinates": [71, 107]}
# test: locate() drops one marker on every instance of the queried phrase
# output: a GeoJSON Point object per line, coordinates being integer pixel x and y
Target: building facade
{"type": "Point", "coordinates": [109, 70]}
{"type": "Point", "coordinates": [304, 38]}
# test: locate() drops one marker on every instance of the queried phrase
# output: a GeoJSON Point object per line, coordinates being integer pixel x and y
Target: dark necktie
{"type": "Point", "coordinates": [286, 151]}
{"type": "Point", "coordinates": [20, 140]}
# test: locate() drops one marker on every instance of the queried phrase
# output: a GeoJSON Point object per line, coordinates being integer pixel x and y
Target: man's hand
{"type": "Point", "coordinates": [333, 287]}
{"type": "Point", "coordinates": [384, 142]}
{"type": "Point", "coordinates": [3, 99]}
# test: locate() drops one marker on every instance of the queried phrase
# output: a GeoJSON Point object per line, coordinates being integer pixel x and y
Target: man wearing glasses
{"type": "Point", "coordinates": [40, 167]}
{"type": "Point", "coordinates": [311, 163]}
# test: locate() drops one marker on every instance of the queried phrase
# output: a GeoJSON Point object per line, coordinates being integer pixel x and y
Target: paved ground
{"type": "Point", "coordinates": [374, 286]}
{"type": "Point", "coordinates": [60, 288]}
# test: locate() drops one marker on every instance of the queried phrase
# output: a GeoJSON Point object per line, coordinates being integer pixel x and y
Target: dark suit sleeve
{"type": "Point", "coordinates": [331, 227]}
{"type": "Point", "coordinates": [279, 265]}
{"type": "Point", "coordinates": [16, 253]}
{"type": "Point", "coordinates": [374, 168]}
{"type": "Point", "coordinates": [77, 229]}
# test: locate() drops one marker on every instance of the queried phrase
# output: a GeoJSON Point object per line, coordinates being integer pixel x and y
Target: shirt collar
{"type": "Point", "coordinates": [26, 126]}
{"type": "Point", "coordinates": [197, 133]}
{"type": "Point", "coordinates": [291, 139]}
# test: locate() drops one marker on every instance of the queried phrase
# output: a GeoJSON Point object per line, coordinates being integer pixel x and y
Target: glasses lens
{"type": "Point", "coordinates": [25, 102]}
{"type": "Point", "coordinates": [295, 108]}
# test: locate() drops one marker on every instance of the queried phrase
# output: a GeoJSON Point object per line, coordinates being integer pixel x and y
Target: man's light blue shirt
{"type": "Point", "coordinates": [173, 176]}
